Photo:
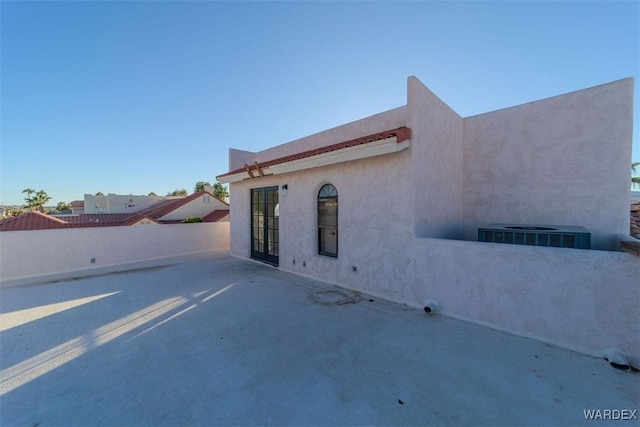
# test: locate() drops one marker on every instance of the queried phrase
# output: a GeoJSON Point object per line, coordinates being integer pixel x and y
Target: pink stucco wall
{"type": "Point", "coordinates": [559, 161]}
{"type": "Point", "coordinates": [369, 125]}
{"type": "Point", "coordinates": [40, 253]}
{"type": "Point", "coordinates": [403, 217]}
{"type": "Point", "coordinates": [436, 163]}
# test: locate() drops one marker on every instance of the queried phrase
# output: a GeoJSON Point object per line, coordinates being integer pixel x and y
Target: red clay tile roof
{"type": "Point", "coordinates": [216, 215]}
{"type": "Point", "coordinates": [161, 209]}
{"type": "Point", "coordinates": [77, 204]}
{"type": "Point", "coordinates": [31, 221]}
{"type": "Point", "coordinates": [96, 218]}
{"type": "Point", "coordinates": [159, 205]}
{"type": "Point", "coordinates": [135, 218]}
{"type": "Point", "coordinates": [39, 221]}
{"type": "Point", "coordinates": [634, 229]}
{"type": "Point", "coordinates": [402, 134]}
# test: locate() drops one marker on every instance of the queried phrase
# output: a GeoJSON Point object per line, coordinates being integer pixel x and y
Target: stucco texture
{"type": "Point", "coordinates": [436, 162]}
{"type": "Point", "coordinates": [391, 119]}
{"type": "Point", "coordinates": [559, 161]}
{"type": "Point", "coordinates": [362, 223]}
{"type": "Point", "coordinates": [45, 252]}
{"type": "Point", "coordinates": [582, 299]}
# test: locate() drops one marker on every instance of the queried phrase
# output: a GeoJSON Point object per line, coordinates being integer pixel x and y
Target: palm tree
{"type": "Point", "coordinates": [40, 199]}
{"type": "Point", "coordinates": [635, 180]}
{"type": "Point", "coordinates": [28, 199]}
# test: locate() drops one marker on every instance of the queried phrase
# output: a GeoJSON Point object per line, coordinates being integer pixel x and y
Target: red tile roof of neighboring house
{"type": "Point", "coordinates": [634, 228]}
{"type": "Point", "coordinates": [402, 134]}
{"type": "Point", "coordinates": [77, 204]}
{"type": "Point", "coordinates": [39, 221]}
{"type": "Point", "coordinates": [216, 215]}
{"type": "Point", "coordinates": [164, 210]}
{"type": "Point", "coordinates": [165, 207]}
{"type": "Point", "coordinates": [135, 218]}
{"type": "Point", "coordinates": [97, 218]}
{"type": "Point", "coordinates": [31, 221]}
{"type": "Point", "coordinates": [159, 205]}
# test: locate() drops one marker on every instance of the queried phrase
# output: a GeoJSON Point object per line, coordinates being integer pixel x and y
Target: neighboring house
{"type": "Point", "coordinates": [117, 203]}
{"type": "Point", "coordinates": [77, 207]}
{"type": "Point", "coordinates": [166, 211]}
{"type": "Point", "coordinates": [9, 211]}
{"type": "Point", "coordinates": [391, 205]}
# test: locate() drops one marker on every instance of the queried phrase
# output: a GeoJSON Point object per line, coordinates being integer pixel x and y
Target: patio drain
{"type": "Point", "coordinates": [335, 297]}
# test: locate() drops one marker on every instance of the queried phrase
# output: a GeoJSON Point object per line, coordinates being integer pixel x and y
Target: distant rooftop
{"type": "Point", "coordinates": [40, 221]}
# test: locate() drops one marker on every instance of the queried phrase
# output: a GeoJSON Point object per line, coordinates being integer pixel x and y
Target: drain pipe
{"type": "Point", "coordinates": [431, 307]}
{"type": "Point", "coordinates": [617, 359]}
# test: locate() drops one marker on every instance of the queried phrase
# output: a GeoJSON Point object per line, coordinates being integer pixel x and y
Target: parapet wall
{"type": "Point", "coordinates": [586, 300]}
{"type": "Point", "coordinates": [27, 255]}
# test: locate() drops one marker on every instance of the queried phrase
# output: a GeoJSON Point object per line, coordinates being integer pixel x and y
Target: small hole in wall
{"type": "Point", "coordinates": [427, 309]}
{"type": "Point", "coordinates": [93, 260]}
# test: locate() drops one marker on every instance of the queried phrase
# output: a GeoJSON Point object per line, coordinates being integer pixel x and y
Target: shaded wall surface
{"type": "Point", "coordinates": [36, 253]}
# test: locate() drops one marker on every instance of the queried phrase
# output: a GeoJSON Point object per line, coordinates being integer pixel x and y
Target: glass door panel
{"type": "Point", "coordinates": [265, 214]}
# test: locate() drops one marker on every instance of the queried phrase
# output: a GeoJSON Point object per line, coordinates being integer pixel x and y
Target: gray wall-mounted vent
{"type": "Point", "coordinates": [536, 235]}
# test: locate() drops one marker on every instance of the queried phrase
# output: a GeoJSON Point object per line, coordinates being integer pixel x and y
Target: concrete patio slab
{"type": "Point", "coordinates": [214, 340]}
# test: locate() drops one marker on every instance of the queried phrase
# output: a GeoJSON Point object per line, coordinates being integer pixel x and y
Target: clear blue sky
{"type": "Point", "coordinates": [133, 97]}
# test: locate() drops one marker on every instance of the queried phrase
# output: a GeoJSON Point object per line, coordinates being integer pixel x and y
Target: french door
{"type": "Point", "coordinates": [265, 215]}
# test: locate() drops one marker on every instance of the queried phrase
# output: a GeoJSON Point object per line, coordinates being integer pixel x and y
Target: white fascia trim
{"type": "Point", "coordinates": [371, 149]}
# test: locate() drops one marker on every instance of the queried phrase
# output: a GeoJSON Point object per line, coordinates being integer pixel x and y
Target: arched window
{"type": "Point", "coordinates": [328, 221]}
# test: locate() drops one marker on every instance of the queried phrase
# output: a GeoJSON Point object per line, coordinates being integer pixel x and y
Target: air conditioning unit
{"type": "Point", "coordinates": [536, 235]}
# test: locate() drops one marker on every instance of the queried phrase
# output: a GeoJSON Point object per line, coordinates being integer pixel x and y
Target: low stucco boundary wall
{"type": "Point", "coordinates": [26, 256]}
{"type": "Point", "coordinates": [580, 299]}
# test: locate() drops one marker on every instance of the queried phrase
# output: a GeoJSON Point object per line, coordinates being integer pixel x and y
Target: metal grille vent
{"type": "Point", "coordinates": [536, 235]}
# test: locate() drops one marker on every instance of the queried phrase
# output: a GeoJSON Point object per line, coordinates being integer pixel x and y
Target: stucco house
{"type": "Point", "coordinates": [120, 203]}
{"type": "Point", "coordinates": [77, 207]}
{"type": "Point", "coordinates": [392, 205]}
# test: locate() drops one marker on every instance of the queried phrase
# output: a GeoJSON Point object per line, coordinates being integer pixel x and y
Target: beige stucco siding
{"type": "Point", "coordinates": [381, 122]}
{"type": "Point", "coordinates": [403, 216]}
{"type": "Point", "coordinates": [72, 250]}
{"type": "Point", "coordinates": [559, 161]}
{"type": "Point", "coordinates": [436, 163]}
{"type": "Point", "coordinates": [374, 210]}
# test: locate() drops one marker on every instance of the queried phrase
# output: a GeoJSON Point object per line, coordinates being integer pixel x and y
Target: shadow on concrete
{"type": "Point", "coordinates": [222, 341]}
